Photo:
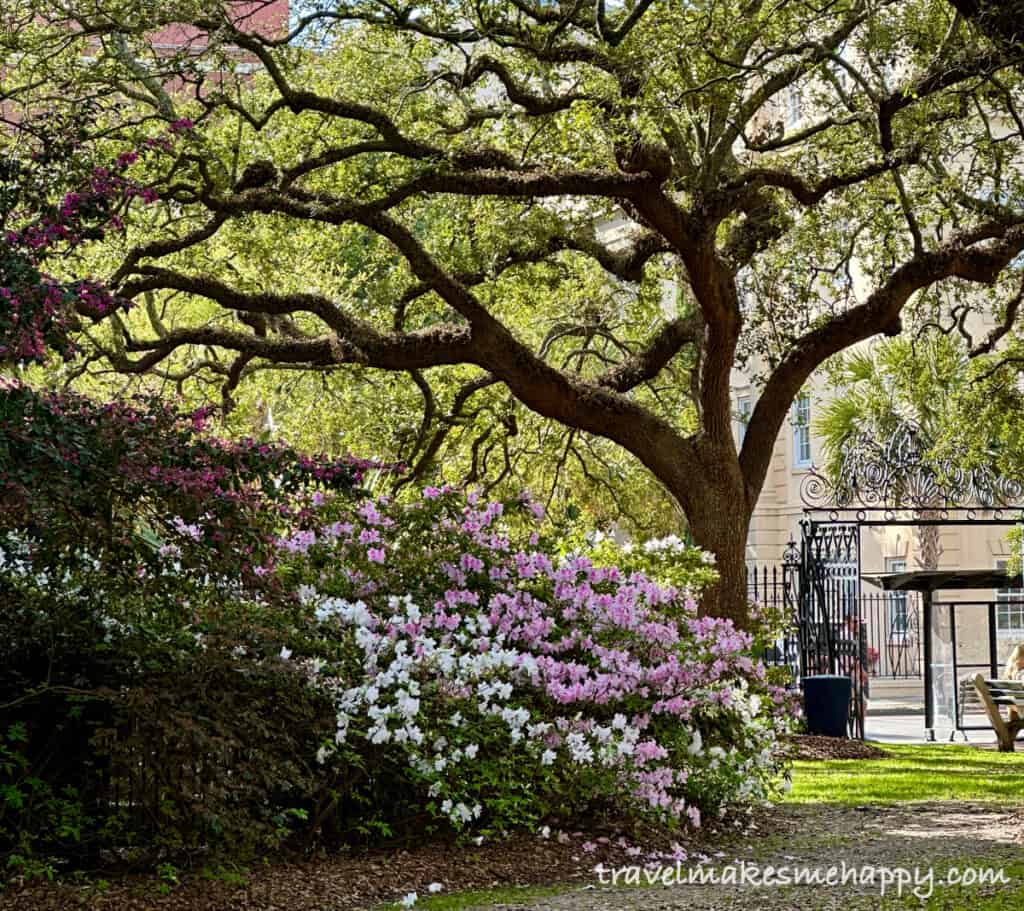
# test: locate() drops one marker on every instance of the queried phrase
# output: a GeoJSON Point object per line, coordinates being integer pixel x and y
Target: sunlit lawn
{"type": "Point", "coordinates": [913, 772]}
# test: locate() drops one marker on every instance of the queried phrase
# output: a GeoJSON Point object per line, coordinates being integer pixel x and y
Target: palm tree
{"type": "Point", "coordinates": [901, 385]}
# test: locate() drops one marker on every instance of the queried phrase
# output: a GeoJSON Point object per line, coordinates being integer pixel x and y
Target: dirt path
{"type": "Point", "coordinates": [922, 836]}
{"type": "Point", "coordinates": [937, 835]}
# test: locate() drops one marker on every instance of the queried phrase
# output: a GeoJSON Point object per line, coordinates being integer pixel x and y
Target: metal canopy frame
{"type": "Point", "coordinates": [929, 581]}
{"type": "Point", "coordinates": [933, 580]}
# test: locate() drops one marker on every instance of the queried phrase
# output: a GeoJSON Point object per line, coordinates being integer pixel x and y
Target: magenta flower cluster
{"type": "Point", "coordinates": [38, 312]}
{"type": "Point", "coordinates": [147, 461]}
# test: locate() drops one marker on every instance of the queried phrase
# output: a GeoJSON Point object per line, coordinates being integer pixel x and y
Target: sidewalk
{"type": "Point", "coordinates": [896, 705]}
{"type": "Point", "coordinates": [909, 728]}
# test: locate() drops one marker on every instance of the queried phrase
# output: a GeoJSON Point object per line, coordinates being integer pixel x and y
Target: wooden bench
{"type": "Point", "coordinates": [996, 693]}
{"type": "Point", "coordinates": [968, 701]}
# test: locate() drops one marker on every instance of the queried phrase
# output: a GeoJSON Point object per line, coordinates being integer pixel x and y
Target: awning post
{"type": "Point", "coordinates": [929, 701]}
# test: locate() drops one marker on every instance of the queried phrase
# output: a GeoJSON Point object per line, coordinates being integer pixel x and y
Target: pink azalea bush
{"type": "Point", "coordinates": [103, 474]}
{"type": "Point", "coordinates": [499, 684]}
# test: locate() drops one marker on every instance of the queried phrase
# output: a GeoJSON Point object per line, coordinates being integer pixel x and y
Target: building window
{"type": "Point", "coordinates": [1009, 610]}
{"type": "Point", "coordinates": [744, 408]}
{"type": "Point", "coordinates": [890, 74]}
{"type": "Point", "coordinates": [745, 289]}
{"type": "Point", "coordinates": [802, 430]}
{"type": "Point", "coordinates": [838, 70]}
{"type": "Point", "coordinates": [794, 107]}
{"type": "Point", "coordinates": [899, 621]}
{"type": "Point", "coordinates": [842, 77]}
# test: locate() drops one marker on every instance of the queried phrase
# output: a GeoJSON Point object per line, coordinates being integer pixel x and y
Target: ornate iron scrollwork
{"type": "Point", "coordinates": [894, 474]}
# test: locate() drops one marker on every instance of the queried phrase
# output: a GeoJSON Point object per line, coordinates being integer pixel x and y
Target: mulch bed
{"type": "Point", "coordinates": [816, 747]}
{"type": "Point", "coordinates": [346, 882]}
{"type": "Point", "coordinates": [363, 880]}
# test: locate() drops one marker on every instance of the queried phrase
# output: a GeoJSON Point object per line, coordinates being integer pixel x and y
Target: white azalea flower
{"type": "Point", "coordinates": [696, 743]}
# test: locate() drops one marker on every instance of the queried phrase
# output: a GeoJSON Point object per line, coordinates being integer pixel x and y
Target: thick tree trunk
{"type": "Point", "coordinates": [929, 542]}
{"type": "Point", "coordinates": [724, 534]}
{"type": "Point", "coordinates": [718, 511]}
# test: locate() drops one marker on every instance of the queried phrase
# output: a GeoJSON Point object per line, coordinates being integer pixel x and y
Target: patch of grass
{"type": "Point", "coordinates": [232, 875]}
{"type": "Point", "coordinates": [1007, 896]}
{"type": "Point", "coordinates": [485, 898]}
{"type": "Point", "coordinates": [912, 772]}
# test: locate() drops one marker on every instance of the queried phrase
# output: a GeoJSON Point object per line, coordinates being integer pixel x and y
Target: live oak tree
{"type": "Point", "coordinates": [601, 208]}
{"type": "Point", "coordinates": [1001, 20]}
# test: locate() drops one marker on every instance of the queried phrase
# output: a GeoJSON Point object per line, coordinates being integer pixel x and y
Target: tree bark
{"type": "Point", "coordinates": [724, 534]}
{"type": "Point", "coordinates": [1001, 20]}
{"type": "Point", "coordinates": [718, 510]}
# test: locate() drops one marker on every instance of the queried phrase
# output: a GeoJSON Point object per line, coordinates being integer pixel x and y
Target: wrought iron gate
{"type": "Point", "coordinates": [833, 638]}
{"type": "Point", "coordinates": [879, 483]}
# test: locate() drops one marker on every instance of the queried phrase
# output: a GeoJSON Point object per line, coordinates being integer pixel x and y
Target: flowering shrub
{"type": "Point", "coordinates": [52, 201]}
{"type": "Point", "coordinates": [139, 640]}
{"type": "Point", "coordinates": [139, 481]}
{"type": "Point", "coordinates": [339, 668]}
{"type": "Point", "coordinates": [668, 561]}
{"type": "Point", "coordinates": [493, 685]}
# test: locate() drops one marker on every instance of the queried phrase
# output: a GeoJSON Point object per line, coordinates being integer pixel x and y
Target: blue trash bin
{"type": "Point", "coordinates": [827, 704]}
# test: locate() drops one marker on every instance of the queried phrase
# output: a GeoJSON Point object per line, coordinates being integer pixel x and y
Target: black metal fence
{"type": "Point", "coordinates": [886, 626]}
{"type": "Point", "coordinates": [895, 634]}
{"type": "Point", "coordinates": [767, 584]}
{"type": "Point", "coordinates": [774, 586]}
